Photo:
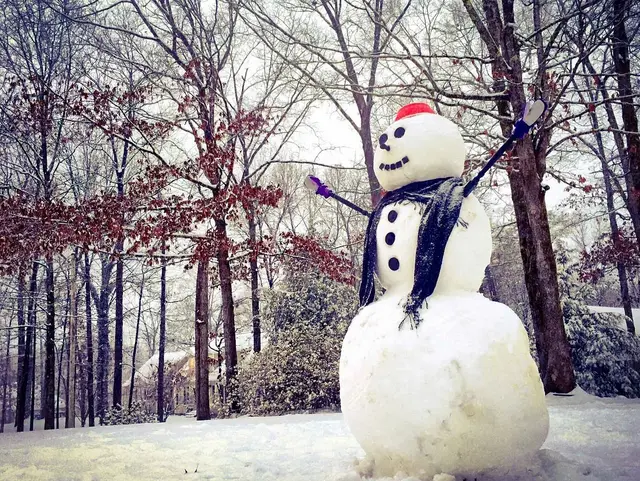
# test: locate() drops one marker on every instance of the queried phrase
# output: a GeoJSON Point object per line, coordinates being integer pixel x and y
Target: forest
{"type": "Point", "coordinates": [160, 255]}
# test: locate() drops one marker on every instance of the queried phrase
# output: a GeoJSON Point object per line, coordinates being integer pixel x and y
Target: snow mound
{"type": "Point", "coordinates": [460, 394]}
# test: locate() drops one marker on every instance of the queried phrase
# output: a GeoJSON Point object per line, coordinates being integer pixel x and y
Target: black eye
{"type": "Point", "coordinates": [399, 132]}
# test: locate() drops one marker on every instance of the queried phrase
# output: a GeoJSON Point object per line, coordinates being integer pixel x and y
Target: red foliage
{"type": "Point", "coordinates": [607, 252]}
{"type": "Point", "coordinates": [144, 219]}
{"type": "Point", "coordinates": [303, 251]}
{"type": "Point", "coordinates": [32, 228]}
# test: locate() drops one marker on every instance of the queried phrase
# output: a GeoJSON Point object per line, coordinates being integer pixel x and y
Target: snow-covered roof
{"type": "Point", "coordinates": [150, 368]}
{"type": "Point", "coordinates": [620, 310]}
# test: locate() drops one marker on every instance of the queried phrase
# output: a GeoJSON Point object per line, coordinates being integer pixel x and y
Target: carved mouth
{"type": "Point", "coordinates": [395, 165]}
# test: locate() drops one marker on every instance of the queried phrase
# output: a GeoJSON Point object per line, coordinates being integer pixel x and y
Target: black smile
{"type": "Point", "coordinates": [395, 165]}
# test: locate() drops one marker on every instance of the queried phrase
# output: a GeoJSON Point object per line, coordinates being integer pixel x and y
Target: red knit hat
{"type": "Point", "coordinates": [414, 109]}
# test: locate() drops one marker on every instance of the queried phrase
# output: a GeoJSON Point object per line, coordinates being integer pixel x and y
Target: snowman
{"type": "Point", "coordinates": [434, 377]}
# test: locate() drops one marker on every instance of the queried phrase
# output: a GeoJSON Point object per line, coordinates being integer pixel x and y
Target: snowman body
{"type": "Point", "coordinates": [466, 255]}
{"type": "Point", "coordinates": [459, 393]}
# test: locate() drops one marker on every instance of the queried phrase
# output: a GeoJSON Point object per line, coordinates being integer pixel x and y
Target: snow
{"type": "Point", "coordinates": [620, 310]}
{"type": "Point", "coordinates": [432, 145]}
{"type": "Point", "coordinates": [149, 370]}
{"type": "Point", "coordinates": [431, 399]}
{"type": "Point", "coordinates": [466, 255]}
{"type": "Point", "coordinates": [588, 435]}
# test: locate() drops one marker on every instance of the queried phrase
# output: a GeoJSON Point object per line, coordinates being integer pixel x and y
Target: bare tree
{"type": "Point", "coordinates": [37, 51]}
{"type": "Point", "coordinates": [620, 10]}
{"type": "Point", "coordinates": [336, 47]}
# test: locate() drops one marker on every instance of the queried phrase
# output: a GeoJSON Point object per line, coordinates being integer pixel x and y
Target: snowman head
{"type": "Point", "coordinates": [420, 145]}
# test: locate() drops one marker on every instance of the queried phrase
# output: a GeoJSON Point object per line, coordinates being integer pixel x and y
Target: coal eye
{"type": "Point", "coordinates": [399, 132]}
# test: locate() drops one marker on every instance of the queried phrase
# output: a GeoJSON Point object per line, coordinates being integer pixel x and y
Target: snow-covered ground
{"type": "Point", "coordinates": [590, 439]}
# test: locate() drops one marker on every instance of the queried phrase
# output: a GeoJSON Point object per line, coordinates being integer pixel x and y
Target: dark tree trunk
{"type": "Point", "coordinates": [50, 347]}
{"type": "Point", "coordinates": [255, 293]}
{"type": "Point", "coordinates": [70, 401]}
{"type": "Point", "coordinates": [202, 341]}
{"type": "Point", "coordinates": [119, 167]}
{"type": "Point", "coordinates": [21, 342]}
{"type": "Point", "coordinates": [89, 340]}
{"type": "Point", "coordinates": [539, 264]}
{"type": "Point", "coordinates": [368, 150]}
{"type": "Point", "coordinates": [135, 343]}
{"type": "Point", "coordinates": [43, 380]}
{"type": "Point", "coordinates": [119, 324]}
{"type": "Point", "coordinates": [29, 351]}
{"type": "Point", "coordinates": [554, 353]}
{"type": "Point", "coordinates": [61, 358]}
{"type": "Point", "coordinates": [228, 320]}
{"type": "Point", "coordinates": [81, 381]}
{"type": "Point", "coordinates": [102, 361]}
{"type": "Point", "coordinates": [163, 321]}
{"type": "Point", "coordinates": [490, 283]}
{"type": "Point", "coordinates": [620, 55]}
{"type": "Point", "coordinates": [5, 378]}
{"type": "Point", "coordinates": [32, 377]}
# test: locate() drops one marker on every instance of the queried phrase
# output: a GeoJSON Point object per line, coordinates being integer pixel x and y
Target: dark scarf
{"type": "Point", "coordinates": [442, 199]}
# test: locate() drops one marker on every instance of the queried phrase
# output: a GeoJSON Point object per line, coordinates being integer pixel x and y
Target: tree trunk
{"type": "Point", "coordinates": [490, 282]}
{"type": "Point", "coordinates": [70, 414]}
{"type": "Point", "coordinates": [368, 150]}
{"type": "Point", "coordinates": [29, 351]}
{"type": "Point", "coordinates": [50, 346]}
{"type": "Point", "coordinates": [161, 346]}
{"type": "Point", "coordinates": [554, 353]}
{"type": "Point", "coordinates": [202, 341]}
{"type": "Point", "coordinates": [61, 358]}
{"type": "Point", "coordinates": [102, 364]}
{"type": "Point", "coordinates": [5, 378]}
{"type": "Point", "coordinates": [89, 334]}
{"type": "Point", "coordinates": [81, 377]}
{"type": "Point", "coordinates": [135, 343]}
{"type": "Point", "coordinates": [255, 296]}
{"type": "Point", "coordinates": [20, 396]}
{"type": "Point", "coordinates": [622, 65]}
{"type": "Point", "coordinates": [228, 321]}
{"type": "Point", "coordinates": [119, 167]}
{"type": "Point", "coordinates": [32, 378]}
{"type": "Point", "coordinates": [119, 325]}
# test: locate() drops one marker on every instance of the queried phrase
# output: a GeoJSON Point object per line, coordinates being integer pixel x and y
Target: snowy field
{"type": "Point", "coordinates": [590, 439]}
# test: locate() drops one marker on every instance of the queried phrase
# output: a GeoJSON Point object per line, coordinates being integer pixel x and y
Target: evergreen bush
{"type": "Point", "coordinates": [136, 415]}
{"type": "Point", "coordinates": [298, 369]}
{"type": "Point", "coordinates": [606, 357]}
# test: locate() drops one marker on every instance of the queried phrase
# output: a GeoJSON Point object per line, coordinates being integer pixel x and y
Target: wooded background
{"type": "Point", "coordinates": [152, 155]}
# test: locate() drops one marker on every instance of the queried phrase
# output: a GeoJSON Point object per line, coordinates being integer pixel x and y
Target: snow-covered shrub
{"type": "Point", "coordinates": [307, 319]}
{"type": "Point", "coordinates": [606, 357]}
{"type": "Point", "coordinates": [136, 415]}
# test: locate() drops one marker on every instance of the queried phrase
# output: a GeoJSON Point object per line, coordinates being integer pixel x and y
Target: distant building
{"type": "Point", "coordinates": [180, 378]}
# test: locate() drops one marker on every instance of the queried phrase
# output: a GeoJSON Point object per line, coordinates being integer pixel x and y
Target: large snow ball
{"type": "Point", "coordinates": [460, 394]}
{"type": "Point", "coordinates": [416, 148]}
